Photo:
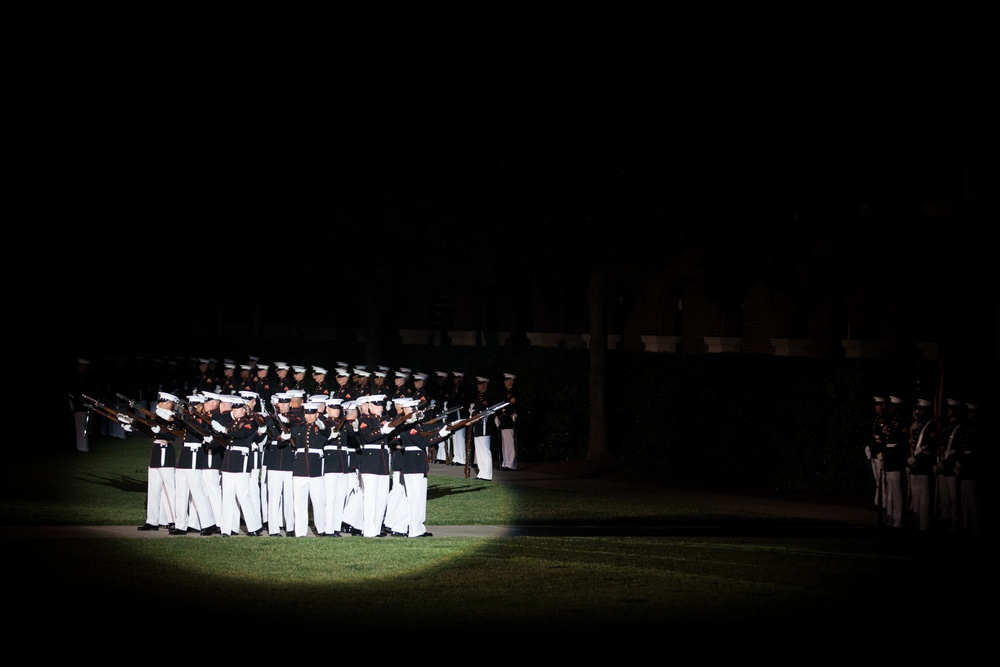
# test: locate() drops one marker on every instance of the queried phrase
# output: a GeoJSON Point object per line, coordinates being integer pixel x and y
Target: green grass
{"type": "Point", "coordinates": [576, 588]}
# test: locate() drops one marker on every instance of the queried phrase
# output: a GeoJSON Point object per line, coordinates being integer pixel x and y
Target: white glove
{"type": "Point", "coordinates": [472, 407]}
{"type": "Point", "coordinates": [386, 430]}
{"type": "Point", "coordinates": [868, 452]}
{"type": "Point", "coordinates": [388, 405]}
{"type": "Point", "coordinates": [261, 430]}
{"type": "Point", "coordinates": [164, 413]}
{"type": "Point", "coordinates": [207, 439]}
{"type": "Point", "coordinates": [513, 417]}
{"type": "Point", "coordinates": [218, 427]}
{"type": "Point", "coordinates": [911, 461]}
{"type": "Point", "coordinates": [286, 436]}
{"type": "Point", "coordinates": [283, 418]}
{"type": "Point", "coordinates": [154, 428]}
{"type": "Point", "coordinates": [127, 428]}
{"type": "Point", "coordinates": [124, 418]}
{"type": "Point", "coordinates": [320, 424]}
{"type": "Point", "coordinates": [496, 420]}
{"type": "Point", "coordinates": [444, 432]}
{"type": "Point", "coordinates": [335, 435]}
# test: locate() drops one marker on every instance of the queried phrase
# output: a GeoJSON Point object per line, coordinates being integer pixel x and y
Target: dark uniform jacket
{"type": "Point", "coordinates": [241, 433]}
{"type": "Point", "coordinates": [374, 455]}
{"type": "Point", "coordinates": [922, 450]}
{"type": "Point", "coordinates": [308, 441]}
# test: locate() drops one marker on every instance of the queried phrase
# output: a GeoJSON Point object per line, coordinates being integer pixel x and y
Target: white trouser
{"type": "Point", "coordinates": [895, 503]}
{"type": "Point", "coordinates": [337, 486]}
{"type": "Point", "coordinates": [211, 480]}
{"type": "Point", "coordinates": [458, 447]}
{"type": "Point", "coordinates": [190, 485]}
{"type": "Point", "coordinates": [484, 457]}
{"type": "Point", "coordinates": [354, 507]}
{"type": "Point", "coordinates": [306, 491]}
{"type": "Point", "coordinates": [507, 443]}
{"type": "Point", "coordinates": [82, 437]}
{"type": "Point", "coordinates": [416, 500]}
{"type": "Point", "coordinates": [160, 496]}
{"type": "Point", "coordinates": [396, 510]}
{"type": "Point", "coordinates": [236, 492]}
{"type": "Point", "coordinates": [280, 506]}
{"type": "Point", "coordinates": [264, 513]}
{"type": "Point", "coordinates": [877, 474]}
{"type": "Point", "coordinates": [373, 503]}
{"type": "Point", "coordinates": [255, 494]}
{"type": "Point", "coordinates": [947, 497]}
{"type": "Point", "coordinates": [920, 492]}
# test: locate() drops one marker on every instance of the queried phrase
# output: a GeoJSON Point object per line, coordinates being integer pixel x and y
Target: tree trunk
{"type": "Point", "coordinates": [597, 448]}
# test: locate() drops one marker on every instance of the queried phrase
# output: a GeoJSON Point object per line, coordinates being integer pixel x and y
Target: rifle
{"type": "Point", "coordinates": [136, 406]}
{"type": "Point", "coordinates": [191, 422]}
{"type": "Point", "coordinates": [178, 433]}
{"type": "Point", "coordinates": [462, 423]}
{"type": "Point", "coordinates": [397, 424]}
{"type": "Point", "coordinates": [95, 405]}
{"type": "Point", "coordinates": [441, 416]}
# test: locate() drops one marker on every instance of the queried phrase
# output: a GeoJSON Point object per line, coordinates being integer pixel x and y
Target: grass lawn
{"type": "Point", "coordinates": [753, 582]}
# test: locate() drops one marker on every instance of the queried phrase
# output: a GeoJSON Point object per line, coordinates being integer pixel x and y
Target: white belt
{"type": "Point", "coordinates": [330, 448]}
{"type": "Point", "coordinates": [241, 450]}
{"type": "Point", "coordinates": [412, 449]}
{"type": "Point", "coordinates": [161, 443]}
{"type": "Point", "coordinates": [372, 447]}
{"type": "Point", "coordinates": [307, 451]}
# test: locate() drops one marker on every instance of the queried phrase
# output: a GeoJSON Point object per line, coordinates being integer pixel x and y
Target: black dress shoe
{"type": "Point", "coordinates": [426, 535]}
{"type": "Point", "coordinates": [176, 531]}
{"type": "Point", "coordinates": [193, 530]}
{"type": "Point", "coordinates": [275, 534]}
{"type": "Point", "coordinates": [210, 530]}
{"type": "Point", "coordinates": [225, 534]}
{"type": "Point", "coordinates": [148, 526]}
{"type": "Point", "coordinates": [354, 531]}
{"type": "Point", "coordinates": [395, 534]}
{"type": "Point", "coordinates": [253, 533]}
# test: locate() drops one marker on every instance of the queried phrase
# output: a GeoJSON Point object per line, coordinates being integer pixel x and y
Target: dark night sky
{"type": "Point", "coordinates": [241, 168]}
{"type": "Point", "coordinates": [471, 145]}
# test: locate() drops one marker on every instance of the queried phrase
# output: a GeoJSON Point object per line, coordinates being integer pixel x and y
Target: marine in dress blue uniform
{"type": "Point", "coordinates": [309, 435]}
{"type": "Point", "coordinates": [281, 463]}
{"type": "Point", "coordinates": [374, 464]}
{"type": "Point", "coordinates": [241, 430]}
